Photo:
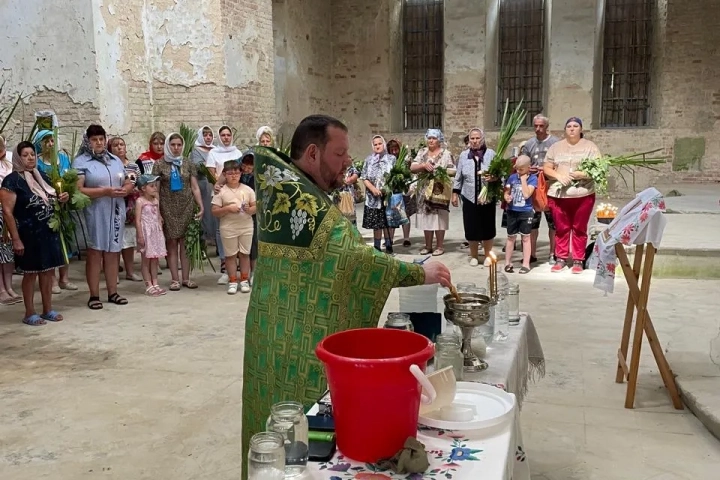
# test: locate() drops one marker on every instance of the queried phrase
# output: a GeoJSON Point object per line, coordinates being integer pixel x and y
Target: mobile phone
{"type": "Point", "coordinates": [320, 451]}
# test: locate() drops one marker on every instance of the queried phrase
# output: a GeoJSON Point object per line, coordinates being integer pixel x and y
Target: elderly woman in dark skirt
{"type": "Point", "coordinates": [478, 219]}
{"type": "Point", "coordinates": [28, 203]}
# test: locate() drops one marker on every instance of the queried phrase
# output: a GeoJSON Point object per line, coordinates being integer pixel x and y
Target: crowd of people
{"type": "Point", "coordinates": [147, 205]}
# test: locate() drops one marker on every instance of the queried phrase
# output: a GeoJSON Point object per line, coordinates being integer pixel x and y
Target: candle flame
{"type": "Point", "coordinates": [493, 257]}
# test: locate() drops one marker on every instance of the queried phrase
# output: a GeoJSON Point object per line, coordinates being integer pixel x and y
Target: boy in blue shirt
{"type": "Point", "coordinates": [519, 189]}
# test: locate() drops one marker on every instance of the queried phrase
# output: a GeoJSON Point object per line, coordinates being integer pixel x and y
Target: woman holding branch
{"type": "Point", "coordinates": [433, 217]}
{"type": "Point", "coordinates": [376, 166]}
{"type": "Point", "coordinates": [28, 202]}
{"type": "Point", "coordinates": [571, 194]}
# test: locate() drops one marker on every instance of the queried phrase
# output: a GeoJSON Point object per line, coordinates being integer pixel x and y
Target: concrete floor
{"type": "Point", "coordinates": [152, 390]}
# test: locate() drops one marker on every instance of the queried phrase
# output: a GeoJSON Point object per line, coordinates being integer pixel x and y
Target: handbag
{"type": "Point", "coordinates": [540, 200]}
{"type": "Point", "coordinates": [437, 195]}
{"type": "Point", "coordinates": [395, 211]}
{"type": "Point", "coordinates": [346, 204]}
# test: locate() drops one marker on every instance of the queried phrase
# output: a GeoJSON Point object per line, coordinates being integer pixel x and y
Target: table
{"type": "Point", "coordinates": [487, 454]}
{"type": "Point", "coordinates": [514, 362]}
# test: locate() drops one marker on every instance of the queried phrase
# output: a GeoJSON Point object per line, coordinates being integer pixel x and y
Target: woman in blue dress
{"type": "Point", "coordinates": [102, 177]}
{"type": "Point", "coordinates": [44, 142]}
{"type": "Point", "coordinates": [28, 203]}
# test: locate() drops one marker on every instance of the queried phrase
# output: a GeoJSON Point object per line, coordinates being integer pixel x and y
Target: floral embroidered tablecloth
{"type": "Point", "coordinates": [640, 221]}
{"type": "Point", "coordinates": [487, 454]}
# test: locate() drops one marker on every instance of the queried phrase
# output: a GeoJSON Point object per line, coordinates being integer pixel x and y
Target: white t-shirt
{"type": "Point", "coordinates": [216, 158]}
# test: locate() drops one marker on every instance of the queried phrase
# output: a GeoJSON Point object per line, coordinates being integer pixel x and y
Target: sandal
{"type": "Point", "coordinates": [151, 291]}
{"type": "Point", "coordinates": [406, 243]}
{"type": "Point", "coordinates": [34, 320]}
{"type": "Point", "coordinates": [524, 270]}
{"type": "Point", "coordinates": [424, 251]}
{"type": "Point", "coordinates": [160, 290]}
{"type": "Point", "coordinates": [52, 316]}
{"type": "Point", "coordinates": [174, 286]}
{"type": "Point", "coordinates": [10, 301]}
{"type": "Point", "coordinates": [94, 303]}
{"type": "Point", "coordinates": [438, 252]}
{"type": "Point", "coordinates": [509, 269]}
{"type": "Point", "coordinates": [68, 286]}
{"type": "Point", "coordinates": [190, 284]}
{"type": "Point", "coordinates": [117, 299]}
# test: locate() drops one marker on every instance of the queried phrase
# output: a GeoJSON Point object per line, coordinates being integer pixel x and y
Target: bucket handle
{"type": "Point", "coordinates": [425, 383]}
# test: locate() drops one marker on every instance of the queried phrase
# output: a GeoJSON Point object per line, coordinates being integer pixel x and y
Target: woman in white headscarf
{"type": "Point", "coordinates": [217, 157]}
{"type": "Point", "coordinates": [199, 156]}
{"type": "Point", "coordinates": [178, 190]}
{"type": "Point", "coordinates": [264, 136]}
{"type": "Point", "coordinates": [376, 166]}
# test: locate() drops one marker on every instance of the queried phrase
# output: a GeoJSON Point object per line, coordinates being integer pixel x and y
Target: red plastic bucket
{"type": "Point", "coordinates": [375, 395]}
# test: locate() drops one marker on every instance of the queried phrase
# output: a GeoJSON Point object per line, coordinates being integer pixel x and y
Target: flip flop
{"type": "Point", "coordinates": [438, 252]}
{"type": "Point", "coordinates": [424, 251]}
{"type": "Point", "coordinates": [52, 316]}
{"type": "Point", "coordinates": [34, 320]}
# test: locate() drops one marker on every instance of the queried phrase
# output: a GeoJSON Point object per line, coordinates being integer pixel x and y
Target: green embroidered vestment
{"type": "Point", "coordinates": [315, 276]}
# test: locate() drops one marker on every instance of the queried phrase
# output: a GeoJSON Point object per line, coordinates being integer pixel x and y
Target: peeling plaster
{"type": "Point", "coordinates": [113, 90]}
{"type": "Point", "coordinates": [37, 60]}
{"type": "Point", "coordinates": [183, 26]}
{"type": "Point", "coordinates": [241, 56]}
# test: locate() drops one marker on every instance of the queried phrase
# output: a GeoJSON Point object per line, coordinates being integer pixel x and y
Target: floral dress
{"type": "Point", "coordinates": [43, 250]}
{"type": "Point", "coordinates": [151, 229]}
{"type": "Point", "coordinates": [374, 171]}
{"type": "Point", "coordinates": [431, 219]}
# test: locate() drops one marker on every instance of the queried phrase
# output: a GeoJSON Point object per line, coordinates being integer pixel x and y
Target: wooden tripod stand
{"type": "Point", "coordinates": [639, 285]}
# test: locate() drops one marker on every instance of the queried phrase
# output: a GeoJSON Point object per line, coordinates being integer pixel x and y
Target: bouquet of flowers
{"type": "Point", "coordinates": [597, 169]}
{"type": "Point", "coordinates": [501, 167]}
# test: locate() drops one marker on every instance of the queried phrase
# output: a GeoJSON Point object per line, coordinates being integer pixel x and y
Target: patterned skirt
{"type": "Point", "coordinates": [6, 253]}
{"type": "Point", "coordinates": [374, 218]}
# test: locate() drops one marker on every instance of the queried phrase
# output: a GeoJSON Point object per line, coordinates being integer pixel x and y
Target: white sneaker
{"type": "Point", "coordinates": [244, 286]}
{"type": "Point", "coordinates": [232, 288]}
{"type": "Point", "coordinates": [224, 279]}
{"type": "Point", "coordinates": [474, 262]}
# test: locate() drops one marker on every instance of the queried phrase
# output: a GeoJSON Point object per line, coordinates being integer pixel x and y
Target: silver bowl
{"type": "Point", "coordinates": [473, 311]}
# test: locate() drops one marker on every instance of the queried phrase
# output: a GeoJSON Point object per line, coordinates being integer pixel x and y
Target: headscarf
{"type": "Point", "coordinates": [221, 154]}
{"type": "Point", "coordinates": [150, 154]}
{"type": "Point", "coordinates": [5, 162]}
{"type": "Point", "coordinates": [35, 181]}
{"type": "Point", "coordinates": [262, 131]}
{"type": "Point", "coordinates": [480, 152]}
{"type": "Point", "coordinates": [200, 140]}
{"type": "Point", "coordinates": [38, 140]}
{"type": "Point", "coordinates": [384, 152]}
{"type": "Point", "coordinates": [86, 149]}
{"type": "Point", "coordinates": [169, 157]}
{"type": "Point", "coordinates": [578, 121]}
{"type": "Point", "coordinates": [435, 133]}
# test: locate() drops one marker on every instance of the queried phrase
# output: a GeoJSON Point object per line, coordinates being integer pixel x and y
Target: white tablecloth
{"type": "Point", "coordinates": [489, 454]}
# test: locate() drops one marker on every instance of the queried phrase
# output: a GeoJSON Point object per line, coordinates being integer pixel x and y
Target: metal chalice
{"type": "Point", "coordinates": [473, 311]}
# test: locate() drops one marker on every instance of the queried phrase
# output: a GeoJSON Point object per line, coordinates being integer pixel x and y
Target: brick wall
{"type": "Point", "coordinates": [687, 100]}
{"type": "Point", "coordinates": [303, 61]}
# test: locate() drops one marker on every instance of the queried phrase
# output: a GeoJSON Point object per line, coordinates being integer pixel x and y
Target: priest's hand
{"type": "Point", "coordinates": [436, 272]}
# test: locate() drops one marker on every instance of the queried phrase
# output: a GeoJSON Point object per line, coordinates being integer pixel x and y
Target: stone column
{"type": "Point", "coordinates": [465, 63]}
{"type": "Point", "coordinates": [573, 39]}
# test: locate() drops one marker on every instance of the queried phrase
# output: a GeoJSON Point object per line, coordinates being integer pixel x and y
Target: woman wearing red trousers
{"type": "Point", "coordinates": [571, 194]}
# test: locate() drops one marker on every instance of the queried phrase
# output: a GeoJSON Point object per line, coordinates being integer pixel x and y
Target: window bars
{"type": "Point", "coordinates": [521, 56]}
{"type": "Point", "coordinates": [423, 46]}
{"type": "Point", "coordinates": [626, 63]}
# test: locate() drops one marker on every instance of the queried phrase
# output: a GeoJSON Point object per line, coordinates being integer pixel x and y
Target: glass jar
{"type": "Point", "coordinates": [499, 312]}
{"type": "Point", "coordinates": [465, 287]}
{"type": "Point", "coordinates": [289, 420]}
{"type": "Point", "coordinates": [399, 321]}
{"type": "Point", "coordinates": [266, 459]}
{"type": "Point", "coordinates": [448, 353]}
{"type": "Point", "coordinates": [513, 299]}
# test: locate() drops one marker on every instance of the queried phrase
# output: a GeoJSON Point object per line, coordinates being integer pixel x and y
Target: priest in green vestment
{"type": "Point", "coordinates": [315, 274]}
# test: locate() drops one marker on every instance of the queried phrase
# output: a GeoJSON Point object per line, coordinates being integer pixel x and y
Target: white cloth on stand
{"type": "Point", "coordinates": [641, 221]}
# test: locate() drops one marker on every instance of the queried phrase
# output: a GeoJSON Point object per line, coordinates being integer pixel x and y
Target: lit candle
{"type": "Point", "coordinates": [493, 278]}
